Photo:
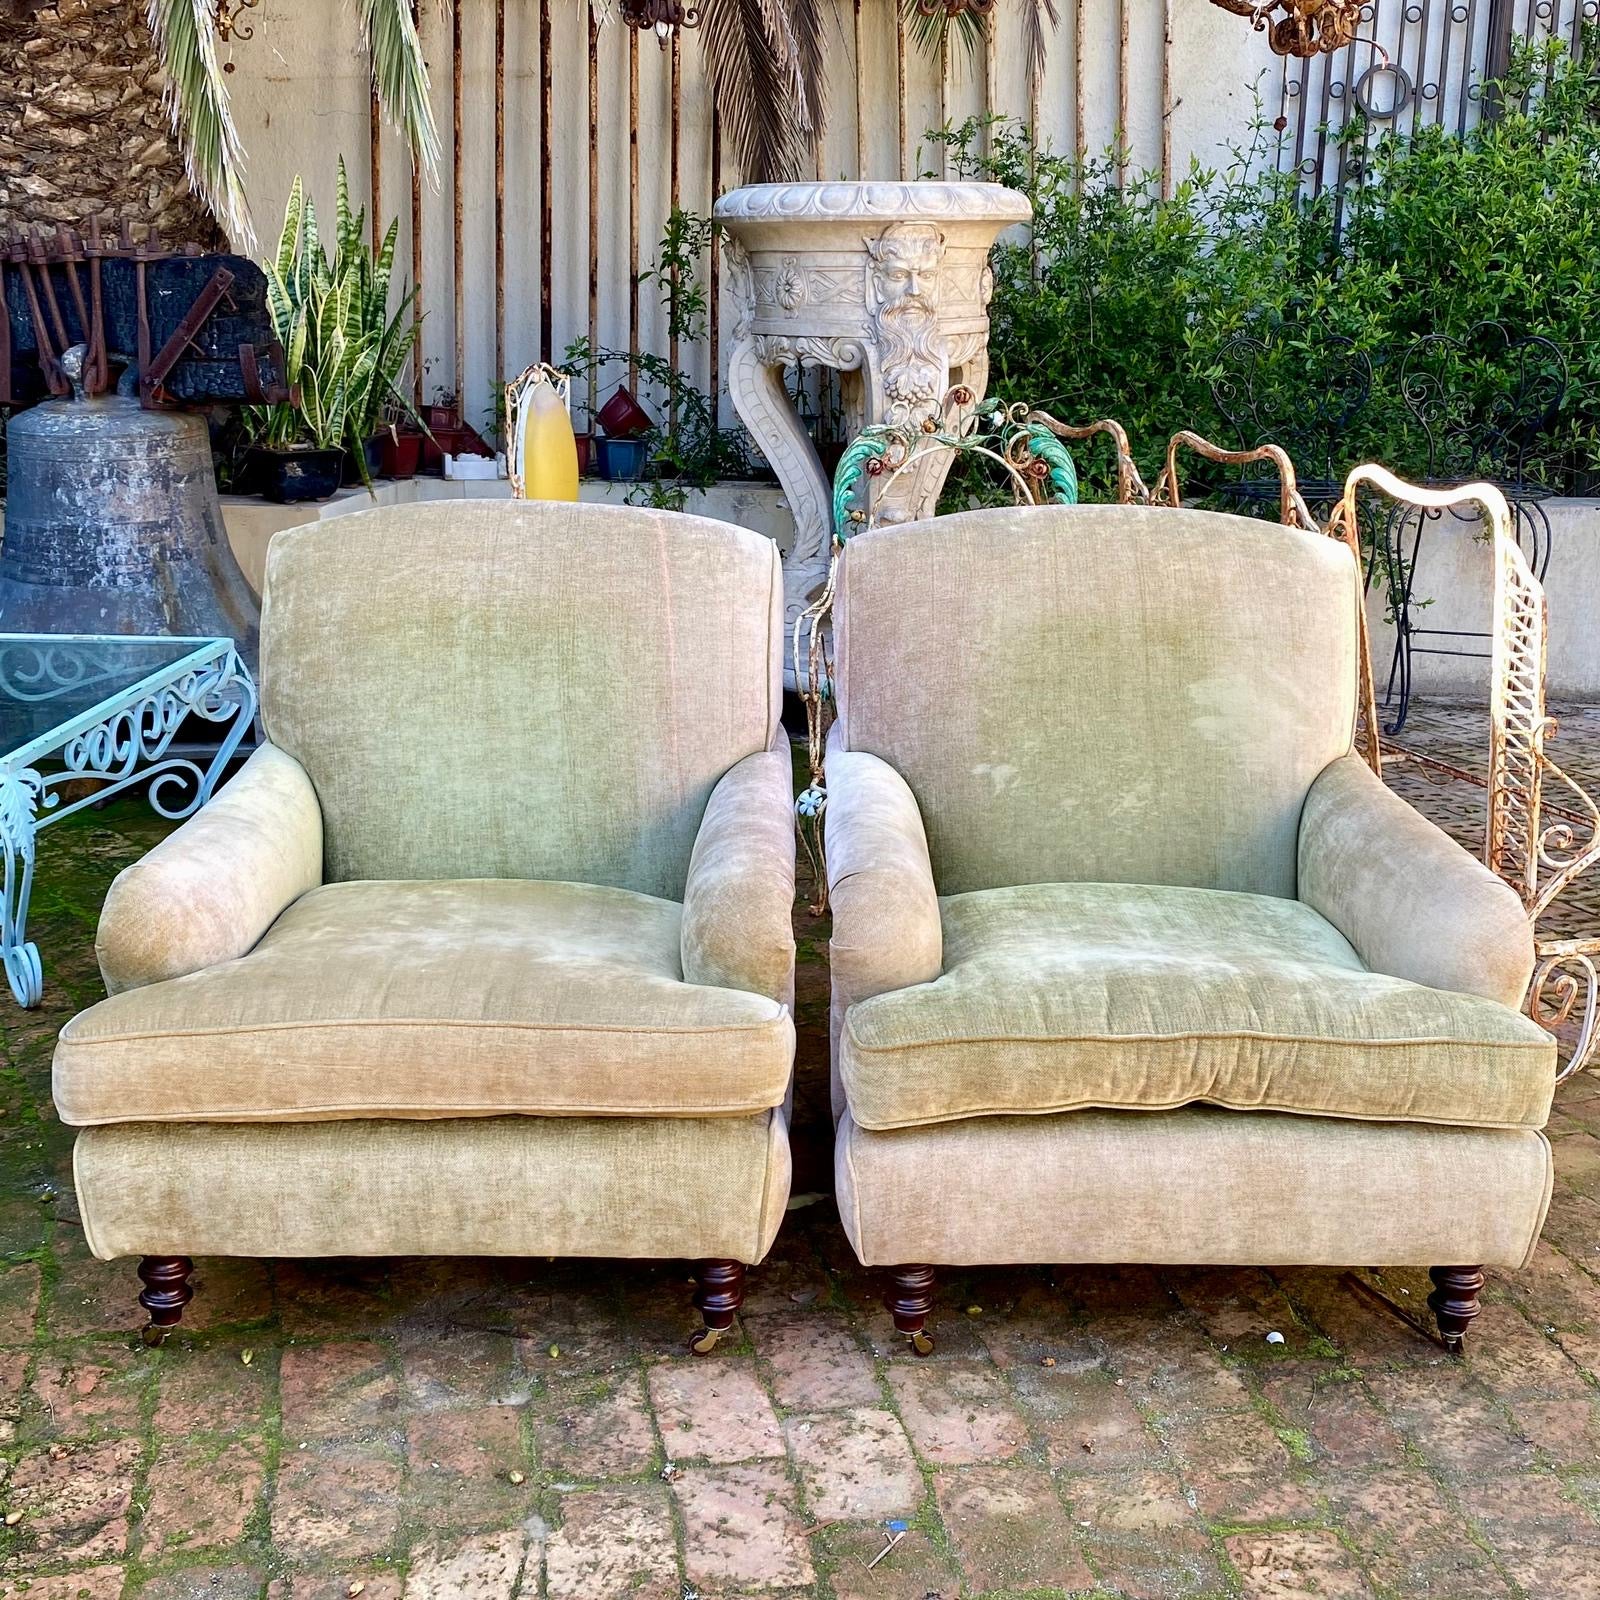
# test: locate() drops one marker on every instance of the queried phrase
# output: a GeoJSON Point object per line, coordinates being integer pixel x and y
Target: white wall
{"type": "Point", "coordinates": [300, 95]}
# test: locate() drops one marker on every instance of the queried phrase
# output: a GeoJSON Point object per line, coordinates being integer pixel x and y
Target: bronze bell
{"type": "Point", "coordinates": [112, 524]}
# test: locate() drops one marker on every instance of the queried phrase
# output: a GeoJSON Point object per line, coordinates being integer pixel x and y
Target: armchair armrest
{"type": "Point", "coordinates": [886, 928]}
{"type": "Point", "coordinates": [738, 902]}
{"type": "Point", "coordinates": [1413, 903]}
{"type": "Point", "coordinates": [209, 891]}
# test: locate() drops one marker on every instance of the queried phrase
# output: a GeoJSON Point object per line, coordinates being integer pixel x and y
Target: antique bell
{"type": "Point", "coordinates": [112, 524]}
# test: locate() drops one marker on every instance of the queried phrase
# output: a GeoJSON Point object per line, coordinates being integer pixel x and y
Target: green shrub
{"type": "Point", "coordinates": [1123, 301]}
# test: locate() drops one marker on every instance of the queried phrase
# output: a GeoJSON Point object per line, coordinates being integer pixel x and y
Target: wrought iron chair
{"type": "Point", "coordinates": [1482, 429]}
{"type": "Point", "coordinates": [1310, 418]}
{"type": "Point", "coordinates": [489, 950]}
{"type": "Point", "coordinates": [1089, 826]}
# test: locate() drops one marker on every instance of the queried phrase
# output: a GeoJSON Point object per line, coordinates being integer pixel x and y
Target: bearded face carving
{"type": "Point", "coordinates": [903, 300]}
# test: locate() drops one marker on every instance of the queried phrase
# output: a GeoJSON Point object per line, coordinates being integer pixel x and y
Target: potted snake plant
{"type": "Point", "coordinates": [343, 354]}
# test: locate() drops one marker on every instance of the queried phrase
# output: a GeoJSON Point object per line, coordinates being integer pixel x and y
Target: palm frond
{"type": "Point", "coordinates": [400, 75]}
{"type": "Point", "coordinates": [1039, 20]}
{"type": "Point", "coordinates": [964, 28]}
{"type": "Point", "coordinates": [197, 101]}
{"type": "Point", "coordinates": [752, 56]}
{"type": "Point", "coordinates": [808, 27]}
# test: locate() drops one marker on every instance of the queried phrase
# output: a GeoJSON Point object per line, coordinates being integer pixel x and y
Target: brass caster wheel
{"type": "Point", "coordinates": [921, 1343]}
{"type": "Point", "coordinates": [705, 1341]}
{"type": "Point", "coordinates": [153, 1336]}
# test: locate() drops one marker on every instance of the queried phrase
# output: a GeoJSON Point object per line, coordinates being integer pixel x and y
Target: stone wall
{"type": "Point", "coordinates": [82, 128]}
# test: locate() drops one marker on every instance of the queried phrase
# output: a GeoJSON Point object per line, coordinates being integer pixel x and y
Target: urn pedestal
{"type": "Point", "coordinates": [889, 283]}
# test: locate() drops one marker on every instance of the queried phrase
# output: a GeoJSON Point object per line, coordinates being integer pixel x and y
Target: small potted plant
{"type": "Point", "coordinates": [343, 354]}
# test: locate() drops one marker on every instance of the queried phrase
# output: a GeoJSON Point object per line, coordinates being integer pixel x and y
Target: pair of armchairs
{"type": "Point", "coordinates": [489, 951]}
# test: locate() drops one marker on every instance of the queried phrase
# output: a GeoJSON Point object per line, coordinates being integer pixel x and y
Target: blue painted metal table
{"type": "Point", "coordinates": [100, 714]}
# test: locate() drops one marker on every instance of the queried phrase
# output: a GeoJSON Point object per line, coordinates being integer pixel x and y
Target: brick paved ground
{"type": "Point", "coordinates": [439, 1428]}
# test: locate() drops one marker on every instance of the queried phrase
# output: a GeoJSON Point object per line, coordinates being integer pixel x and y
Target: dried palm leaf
{"type": "Point", "coordinates": [765, 62]}
{"type": "Point", "coordinates": [400, 75]}
{"type": "Point", "coordinates": [196, 96]}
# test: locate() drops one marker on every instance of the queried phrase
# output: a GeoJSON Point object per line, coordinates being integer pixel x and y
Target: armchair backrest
{"type": "Point", "coordinates": [519, 689]}
{"type": "Point", "coordinates": [1101, 694]}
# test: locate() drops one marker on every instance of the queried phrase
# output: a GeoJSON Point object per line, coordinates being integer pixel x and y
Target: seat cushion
{"type": "Point", "coordinates": [444, 999]}
{"type": "Point", "coordinates": [1056, 997]}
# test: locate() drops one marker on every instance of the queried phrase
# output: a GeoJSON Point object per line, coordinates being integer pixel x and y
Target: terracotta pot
{"type": "Point", "coordinates": [401, 454]}
{"type": "Point", "coordinates": [585, 444]}
{"type": "Point", "coordinates": [622, 416]}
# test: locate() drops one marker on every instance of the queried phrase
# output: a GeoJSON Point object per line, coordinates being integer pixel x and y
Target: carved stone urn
{"type": "Point", "coordinates": [887, 282]}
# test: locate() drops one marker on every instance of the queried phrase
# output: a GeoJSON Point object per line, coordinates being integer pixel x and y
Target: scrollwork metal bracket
{"type": "Point", "coordinates": [126, 740]}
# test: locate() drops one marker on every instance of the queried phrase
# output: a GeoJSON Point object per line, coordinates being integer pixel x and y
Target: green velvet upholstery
{"type": "Point", "coordinates": [1199, 1186]}
{"type": "Point", "coordinates": [1056, 997]}
{"type": "Point", "coordinates": [1134, 959]}
{"type": "Point", "coordinates": [489, 949]}
{"type": "Point", "coordinates": [499, 689]}
{"type": "Point", "coordinates": [1101, 694]}
{"type": "Point", "coordinates": [434, 999]}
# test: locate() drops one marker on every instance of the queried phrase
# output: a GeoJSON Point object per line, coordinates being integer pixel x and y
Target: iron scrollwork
{"type": "Point", "coordinates": [130, 743]}
{"type": "Point", "coordinates": [1538, 857]}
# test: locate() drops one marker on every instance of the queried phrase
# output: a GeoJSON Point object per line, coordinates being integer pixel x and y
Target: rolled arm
{"type": "Point", "coordinates": [738, 902]}
{"type": "Point", "coordinates": [886, 930]}
{"type": "Point", "coordinates": [1413, 903]}
{"type": "Point", "coordinates": [210, 890]}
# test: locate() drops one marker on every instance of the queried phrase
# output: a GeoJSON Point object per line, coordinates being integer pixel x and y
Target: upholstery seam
{"type": "Point", "coordinates": [945, 1118]}
{"type": "Point", "coordinates": [1192, 1038]}
{"type": "Point", "coordinates": [437, 1111]}
{"type": "Point", "coordinates": [1544, 1204]}
{"type": "Point", "coordinates": [223, 1032]}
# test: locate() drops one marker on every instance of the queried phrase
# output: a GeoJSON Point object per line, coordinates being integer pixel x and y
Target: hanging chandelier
{"type": "Point", "coordinates": [1305, 28]}
{"type": "Point", "coordinates": [661, 15]}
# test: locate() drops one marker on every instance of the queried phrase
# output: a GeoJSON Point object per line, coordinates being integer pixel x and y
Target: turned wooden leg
{"type": "Point", "coordinates": [909, 1300]}
{"type": "Point", "coordinates": [719, 1295]}
{"type": "Point", "coordinates": [1454, 1302]}
{"type": "Point", "coordinates": [166, 1292]}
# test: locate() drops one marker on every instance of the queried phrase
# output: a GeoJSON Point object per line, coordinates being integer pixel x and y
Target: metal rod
{"type": "Point", "coordinates": [594, 199]}
{"type": "Point", "coordinates": [1166, 99]}
{"type": "Point", "coordinates": [458, 254]}
{"type": "Point", "coordinates": [1035, 93]}
{"type": "Point", "coordinates": [714, 291]}
{"type": "Point", "coordinates": [1123, 74]}
{"type": "Point", "coordinates": [991, 87]}
{"type": "Point", "coordinates": [673, 206]}
{"type": "Point", "coordinates": [633, 206]}
{"type": "Point", "coordinates": [499, 191]}
{"type": "Point", "coordinates": [900, 82]}
{"type": "Point", "coordinates": [375, 159]}
{"type": "Point", "coordinates": [1080, 69]}
{"type": "Point", "coordinates": [861, 100]}
{"type": "Point", "coordinates": [944, 99]}
{"type": "Point", "coordinates": [416, 254]}
{"type": "Point", "coordinates": [546, 226]}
